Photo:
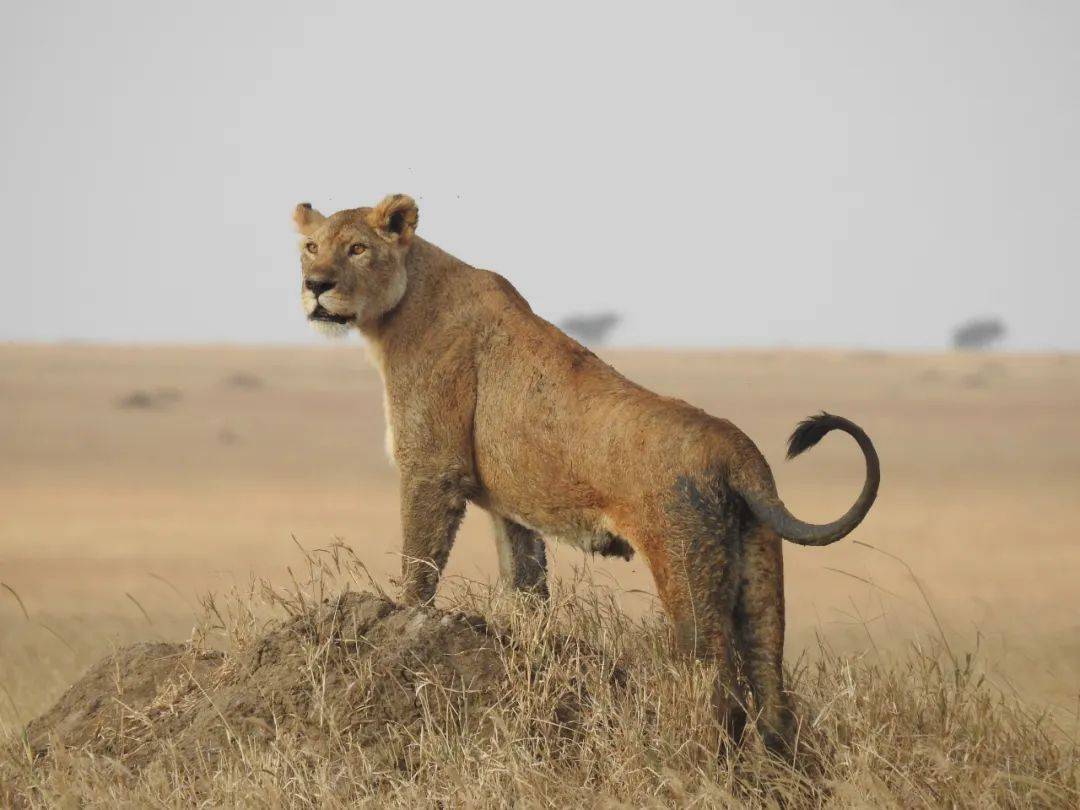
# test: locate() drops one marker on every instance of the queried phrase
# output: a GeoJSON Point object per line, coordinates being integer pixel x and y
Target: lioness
{"type": "Point", "coordinates": [488, 403]}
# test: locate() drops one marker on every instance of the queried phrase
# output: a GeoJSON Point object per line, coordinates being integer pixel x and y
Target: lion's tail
{"type": "Point", "coordinates": [770, 510]}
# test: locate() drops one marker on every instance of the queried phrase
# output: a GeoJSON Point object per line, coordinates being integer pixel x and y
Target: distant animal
{"type": "Point", "coordinates": [487, 403]}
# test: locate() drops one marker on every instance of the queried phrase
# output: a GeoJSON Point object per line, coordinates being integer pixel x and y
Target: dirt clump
{"type": "Point", "coordinates": [93, 712]}
{"type": "Point", "coordinates": [339, 674]}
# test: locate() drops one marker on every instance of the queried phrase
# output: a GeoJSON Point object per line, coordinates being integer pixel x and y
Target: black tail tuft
{"type": "Point", "coordinates": [810, 431]}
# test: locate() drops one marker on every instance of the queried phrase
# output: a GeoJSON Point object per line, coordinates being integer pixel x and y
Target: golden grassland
{"type": "Point", "coordinates": [132, 481]}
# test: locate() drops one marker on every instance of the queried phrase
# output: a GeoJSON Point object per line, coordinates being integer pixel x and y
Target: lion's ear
{"type": "Point", "coordinates": [307, 219]}
{"type": "Point", "coordinates": [395, 217]}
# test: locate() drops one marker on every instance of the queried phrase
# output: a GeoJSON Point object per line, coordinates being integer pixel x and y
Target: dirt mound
{"type": "Point", "coordinates": [344, 671]}
{"type": "Point", "coordinates": [356, 701]}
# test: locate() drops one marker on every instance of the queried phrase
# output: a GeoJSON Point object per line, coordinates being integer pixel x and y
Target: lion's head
{"type": "Point", "coordinates": [353, 262]}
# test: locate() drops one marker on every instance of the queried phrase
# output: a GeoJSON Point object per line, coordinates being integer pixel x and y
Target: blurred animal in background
{"type": "Point", "coordinates": [978, 334]}
{"type": "Point", "coordinates": [591, 329]}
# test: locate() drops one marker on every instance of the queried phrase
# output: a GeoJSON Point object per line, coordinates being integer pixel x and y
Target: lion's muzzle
{"type": "Point", "coordinates": [318, 286]}
{"type": "Point", "coordinates": [321, 301]}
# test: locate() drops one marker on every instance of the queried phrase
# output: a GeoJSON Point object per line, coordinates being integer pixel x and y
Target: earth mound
{"type": "Point", "coordinates": [341, 673]}
{"type": "Point", "coordinates": [356, 701]}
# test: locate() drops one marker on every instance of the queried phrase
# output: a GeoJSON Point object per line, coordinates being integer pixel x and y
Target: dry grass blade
{"type": "Point", "coordinates": [865, 581]}
{"type": "Point", "coordinates": [56, 635]}
{"type": "Point", "coordinates": [142, 610]}
{"type": "Point", "coordinates": [18, 599]}
{"type": "Point", "coordinates": [11, 700]}
{"type": "Point", "coordinates": [922, 592]}
{"type": "Point", "coordinates": [172, 587]}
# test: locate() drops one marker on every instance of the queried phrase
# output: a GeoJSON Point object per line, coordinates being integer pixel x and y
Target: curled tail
{"type": "Point", "coordinates": [770, 510]}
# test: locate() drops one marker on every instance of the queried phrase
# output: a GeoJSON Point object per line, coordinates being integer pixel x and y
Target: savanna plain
{"type": "Point", "coordinates": [218, 501]}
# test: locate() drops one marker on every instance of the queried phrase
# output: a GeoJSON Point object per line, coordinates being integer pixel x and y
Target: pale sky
{"type": "Point", "coordinates": [861, 173]}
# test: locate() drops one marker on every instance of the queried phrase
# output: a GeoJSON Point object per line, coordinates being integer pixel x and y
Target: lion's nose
{"type": "Point", "coordinates": [318, 285]}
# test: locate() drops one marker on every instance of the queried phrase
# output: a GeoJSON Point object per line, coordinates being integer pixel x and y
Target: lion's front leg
{"type": "Point", "coordinates": [432, 505]}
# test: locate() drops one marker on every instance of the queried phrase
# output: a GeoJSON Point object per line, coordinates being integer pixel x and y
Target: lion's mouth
{"type": "Point", "coordinates": [321, 313]}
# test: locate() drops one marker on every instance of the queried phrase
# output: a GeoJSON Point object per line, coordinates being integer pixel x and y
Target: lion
{"type": "Point", "coordinates": [489, 404]}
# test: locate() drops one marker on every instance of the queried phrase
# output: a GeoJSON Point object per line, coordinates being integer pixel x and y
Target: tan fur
{"type": "Point", "coordinates": [488, 403]}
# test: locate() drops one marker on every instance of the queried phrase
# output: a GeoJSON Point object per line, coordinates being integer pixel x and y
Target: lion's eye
{"type": "Point", "coordinates": [356, 249]}
{"type": "Point", "coordinates": [312, 248]}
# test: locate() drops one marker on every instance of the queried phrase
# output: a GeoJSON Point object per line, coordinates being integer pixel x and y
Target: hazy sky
{"type": "Point", "coordinates": [859, 173]}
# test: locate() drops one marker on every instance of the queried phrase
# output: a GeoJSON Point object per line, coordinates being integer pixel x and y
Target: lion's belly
{"type": "Point", "coordinates": [582, 525]}
{"type": "Point", "coordinates": [590, 533]}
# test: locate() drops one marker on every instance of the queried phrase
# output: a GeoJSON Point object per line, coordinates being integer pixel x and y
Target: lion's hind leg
{"type": "Point", "coordinates": [522, 557]}
{"type": "Point", "coordinates": [759, 620]}
{"type": "Point", "coordinates": [695, 560]}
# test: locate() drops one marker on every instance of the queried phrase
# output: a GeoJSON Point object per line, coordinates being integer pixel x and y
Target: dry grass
{"type": "Point", "coordinates": [586, 706]}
